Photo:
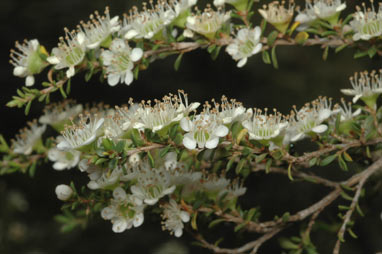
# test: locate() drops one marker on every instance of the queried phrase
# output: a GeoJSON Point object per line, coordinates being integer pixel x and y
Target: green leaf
{"type": "Point", "coordinates": [32, 169]}
{"type": "Point", "coordinates": [266, 57]}
{"type": "Point", "coordinates": [215, 53]}
{"type": "Point", "coordinates": [261, 157]}
{"type": "Point", "coordinates": [230, 163]}
{"type": "Point", "coordinates": [68, 86]}
{"type": "Point", "coordinates": [211, 48]}
{"type": "Point", "coordinates": [178, 61]}
{"type": "Point", "coordinates": [164, 151]}
{"type": "Point", "coordinates": [268, 165]}
{"type": "Point", "coordinates": [215, 222]}
{"type": "Point", "coordinates": [312, 161]}
{"type": "Point", "coordinates": [342, 163]}
{"type": "Point", "coordinates": [62, 92]}
{"type": "Point", "coordinates": [338, 49]}
{"type": "Point", "coordinates": [272, 38]}
{"type": "Point", "coordinates": [240, 165]}
{"type": "Point", "coordinates": [274, 58]}
{"type": "Point", "coordinates": [359, 54]}
{"type": "Point", "coordinates": [351, 233]}
{"type": "Point", "coordinates": [325, 54]}
{"type": "Point", "coordinates": [120, 146]}
{"type": "Point", "coordinates": [290, 172]}
{"type": "Point", "coordinates": [193, 221]}
{"type": "Point", "coordinates": [288, 244]}
{"type": "Point", "coordinates": [240, 226]}
{"type": "Point", "coordinates": [346, 196]}
{"type": "Point", "coordinates": [328, 160]}
{"type": "Point", "coordinates": [372, 51]}
{"type": "Point", "coordinates": [151, 159]}
{"type": "Point", "coordinates": [28, 107]}
{"type": "Point", "coordinates": [107, 144]}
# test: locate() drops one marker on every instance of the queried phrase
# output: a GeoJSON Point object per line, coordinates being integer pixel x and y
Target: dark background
{"type": "Point", "coordinates": [27, 206]}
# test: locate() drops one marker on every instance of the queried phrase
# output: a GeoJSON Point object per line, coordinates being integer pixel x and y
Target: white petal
{"type": "Point", "coordinates": [257, 49]}
{"type": "Point", "coordinates": [324, 114]}
{"type": "Point", "coordinates": [212, 143]}
{"type": "Point", "coordinates": [297, 137]}
{"type": "Point", "coordinates": [70, 72]}
{"type": "Point", "coordinates": [357, 112]}
{"type": "Point", "coordinates": [19, 71]}
{"type": "Point", "coordinates": [93, 45]}
{"type": "Point", "coordinates": [184, 216]}
{"type": "Point", "coordinates": [320, 128]}
{"type": "Point", "coordinates": [191, 20]}
{"type": "Point", "coordinates": [29, 81]}
{"type": "Point", "coordinates": [186, 124]}
{"type": "Point", "coordinates": [348, 91]}
{"type": "Point", "coordinates": [138, 220]}
{"type": "Point", "coordinates": [119, 225]}
{"type": "Point", "coordinates": [60, 166]}
{"type": "Point", "coordinates": [131, 34]}
{"type": "Point", "coordinates": [93, 185]}
{"type": "Point", "coordinates": [113, 79]}
{"type": "Point", "coordinates": [81, 38]}
{"type": "Point", "coordinates": [53, 60]}
{"type": "Point", "coordinates": [242, 62]}
{"type": "Point", "coordinates": [356, 98]}
{"type": "Point", "coordinates": [34, 44]}
{"type": "Point", "coordinates": [119, 194]}
{"type": "Point", "coordinates": [107, 213]}
{"type": "Point", "coordinates": [232, 49]}
{"type": "Point", "coordinates": [178, 232]}
{"type": "Point", "coordinates": [136, 54]}
{"type": "Point", "coordinates": [151, 201]}
{"type": "Point", "coordinates": [63, 145]}
{"type": "Point", "coordinates": [221, 131]}
{"type": "Point", "coordinates": [188, 142]}
{"type": "Point", "coordinates": [129, 77]}
{"type": "Point", "coordinates": [188, 33]}
{"type": "Point", "coordinates": [257, 33]}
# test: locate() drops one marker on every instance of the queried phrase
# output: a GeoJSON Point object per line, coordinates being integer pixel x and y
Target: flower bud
{"type": "Point", "coordinates": [63, 192]}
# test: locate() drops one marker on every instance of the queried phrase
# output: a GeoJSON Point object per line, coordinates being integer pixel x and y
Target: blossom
{"type": "Point", "coordinates": [98, 30]}
{"type": "Point", "coordinates": [127, 116]}
{"type": "Point", "coordinates": [149, 22]}
{"type": "Point", "coordinates": [276, 14]}
{"type": "Point", "coordinates": [366, 86]}
{"type": "Point", "coordinates": [174, 218]}
{"type": "Point", "coordinates": [346, 111]}
{"type": "Point", "coordinates": [207, 23]}
{"type": "Point", "coordinates": [119, 62]}
{"type": "Point", "coordinates": [82, 134]}
{"type": "Point", "coordinates": [69, 53]}
{"type": "Point", "coordinates": [152, 184]}
{"type": "Point", "coordinates": [367, 23]}
{"type": "Point", "coordinates": [203, 131]}
{"type": "Point", "coordinates": [101, 179]}
{"type": "Point", "coordinates": [171, 109]}
{"type": "Point", "coordinates": [309, 119]}
{"type": "Point", "coordinates": [27, 61]}
{"type": "Point", "coordinates": [123, 212]}
{"type": "Point", "coordinates": [305, 17]}
{"type": "Point", "coordinates": [58, 114]}
{"type": "Point", "coordinates": [246, 44]}
{"type": "Point", "coordinates": [63, 159]}
{"type": "Point", "coordinates": [266, 127]}
{"type": "Point", "coordinates": [28, 139]}
{"type": "Point", "coordinates": [63, 192]}
{"type": "Point", "coordinates": [230, 111]}
{"type": "Point", "coordinates": [328, 9]}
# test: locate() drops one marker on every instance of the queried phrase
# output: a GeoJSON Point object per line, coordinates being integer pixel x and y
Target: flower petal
{"type": "Point", "coordinates": [320, 128]}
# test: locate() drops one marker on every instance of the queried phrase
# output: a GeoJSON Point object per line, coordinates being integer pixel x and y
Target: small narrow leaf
{"type": "Point", "coordinates": [178, 61]}
{"type": "Point", "coordinates": [274, 58]}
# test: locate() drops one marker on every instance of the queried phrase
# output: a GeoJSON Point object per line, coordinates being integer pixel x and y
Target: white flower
{"type": "Point", "coordinates": [99, 29]}
{"type": "Point", "coordinates": [28, 139]}
{"type": "Point", "coordinates": [208, 22]}
{"type": "Point", "coordinates": [171, 161]}
{"type": "Point", "coordinates": [69, 53]}
{"type": "Point", "coordinates": [149, 22]}
{"type": "Point", "coordinates": [310, 119]}
{"type": "Point", "coordinates": [100, 179]}
{"type": "Point", "coordinates": [58, 114]}
{"type": "Point", "coordinates": [63, 159]}
{"type": "Point", "coordinates": [264, 126]}
{"type": "Point", "coordinates": [63, 192]}
{"type": "Point", "coordinates": [366, 87]}
{"type": "Point", "coordinates": [163, 113]}
{"type": "Point", "coordinates": [127, 116]}
{"type": "Point", "coordinates": [174, 218]}
{"type": "Point", "coordinates": [367, 24]}
{"type": "Point", "coordinates": [328, 9]}
{"type": "Point", "coordinates": [230, 111]}
{"type": "Point", "coordinates": [123, 212]}
{"type": "Point", "coordinates": [82, 134]}
{"type": "Point", "coordinates": [203, 131]}
{"type": "Point", "coordinates": [120, 61]}
{"type": "Point", "coordinates": [152, 184]}
{"type": "Point", "coordinates": [346, 111]}
{"type": "Point", "coordinates": [183, 5]}
{"type": "Point", "coordinates": [305, 17]}
{"type": "Point", "coordinates": [27, 62]}
{"type": "Point", "coordinates": [246, 44]}
{"type": "Point", "coordinates": [276, 14]}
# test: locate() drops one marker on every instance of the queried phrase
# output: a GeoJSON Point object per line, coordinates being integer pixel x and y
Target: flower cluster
{"type": "Point", "coordinates": [367, 24]}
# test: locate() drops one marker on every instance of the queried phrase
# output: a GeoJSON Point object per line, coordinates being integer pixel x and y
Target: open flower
{"type": "Point", "coordinates": [203, 130]}
{"type": "Point", "coordinates": [120, 61]}
{"type": "Point", "coordinates": [152, 184]}
{"type": "Point", "coordinates": [80, 135]}
{"type": "Point", "coordinates": [276, 14]}
{"type": "Point", "coordinates": [309, 119]}
{"type": "Point", "coordinates": [59, 114]}
{"type": "Point", "coordinates": [306, 17]}
{"type": "Point", "coordinates": [267, 128]}
{"type": "Point", "coordinates": [149, 22]}
{"type": "Point", "coordinates": [99, 29]}
{"type": "Point", "coordinates": [27, 61]}
{"type": "Point", "coordinates": [246, 44]}
{"type": "Point", "coordinates": [28, 139]}
{"type": "Point", "coordinates": [366, 87]}
{"type": "Point", "coordinates": [69, 53]}
{"type": "Point", "coordinates": [63, 159]}
{"type": "Point", "coordinates": [123, 212]}
{"type": "Point", "coordinates": [174, 217]}
{"type": "Point", "coordinates": [367, 24]}
{"type": "Point", "coordinates": [206, 23]}
{"type": "Point", "coordinates": [230, 111]}
{"type": "Point", "coordinates": [328, 10]}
